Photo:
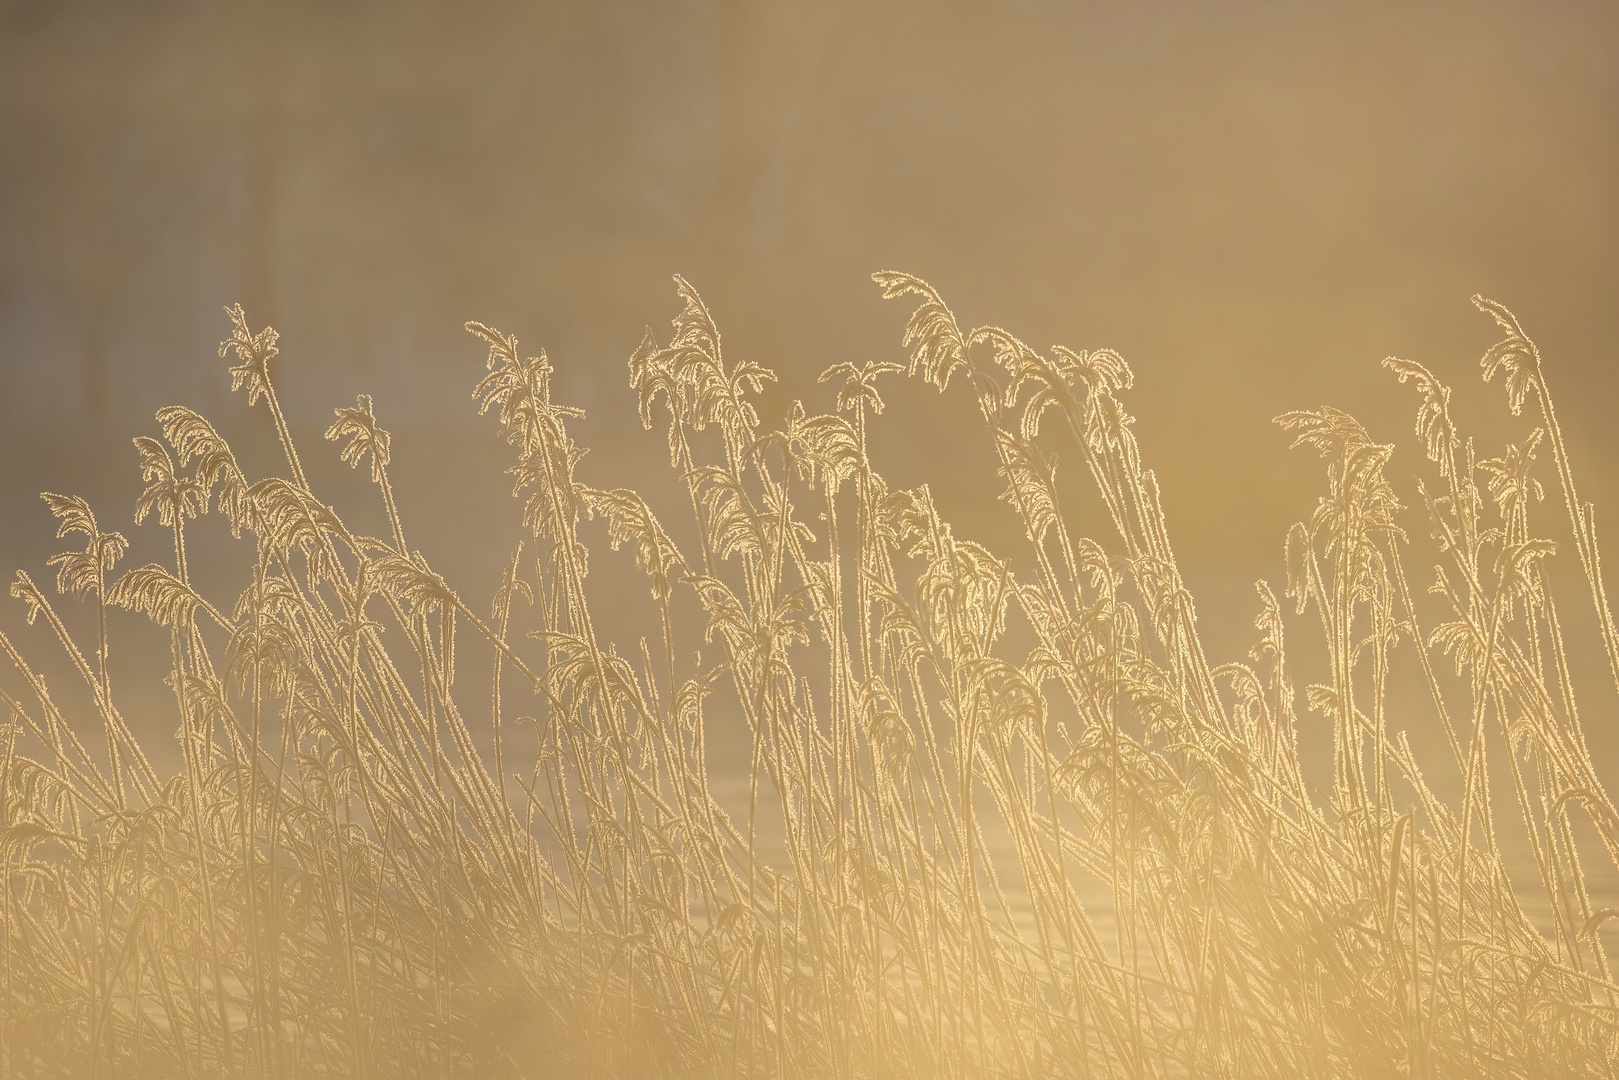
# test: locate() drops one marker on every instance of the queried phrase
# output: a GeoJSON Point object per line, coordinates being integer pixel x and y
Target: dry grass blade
{"type": "Point", "coordinates": [996, 822]}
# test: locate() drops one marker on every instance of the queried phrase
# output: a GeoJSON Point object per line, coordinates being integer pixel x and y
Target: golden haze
{"type": "Point", "coordinates": [934, 798]}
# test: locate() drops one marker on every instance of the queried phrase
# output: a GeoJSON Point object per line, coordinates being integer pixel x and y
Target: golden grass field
{"type": "Point", "coordinates": [1002, 817]}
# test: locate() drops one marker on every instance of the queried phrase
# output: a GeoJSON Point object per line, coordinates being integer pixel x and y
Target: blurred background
{"type": "Point", "coordinates": [1253, 203]}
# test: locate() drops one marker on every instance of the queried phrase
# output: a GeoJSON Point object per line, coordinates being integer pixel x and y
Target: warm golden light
{"type": "Point", "coordinates": [996, 821]}
{"type": "Point", "coordinates": [888, 692]}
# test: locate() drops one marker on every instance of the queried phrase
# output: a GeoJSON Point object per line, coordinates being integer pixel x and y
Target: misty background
{"type": "Point", "coordinates": [1253, 203]}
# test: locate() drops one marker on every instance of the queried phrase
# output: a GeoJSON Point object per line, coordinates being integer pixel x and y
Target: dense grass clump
{"type": "Point", "coordinates": [1020, 824]}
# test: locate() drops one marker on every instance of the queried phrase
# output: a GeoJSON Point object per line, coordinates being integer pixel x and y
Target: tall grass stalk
{"type": "Point", "coordinates": [1026, 827]}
